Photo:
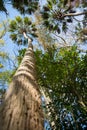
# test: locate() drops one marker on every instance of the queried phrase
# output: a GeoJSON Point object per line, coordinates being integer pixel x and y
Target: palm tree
{"type": "Point", "coordinates": [57, 15]}
{"type": "Point", "coordinates": [25, 6]}
{"type": "Point", "coordinates": [21, 109]}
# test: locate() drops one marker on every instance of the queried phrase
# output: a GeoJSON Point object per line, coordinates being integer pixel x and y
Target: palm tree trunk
{"type": "Point", "coordinates": [21, 109]}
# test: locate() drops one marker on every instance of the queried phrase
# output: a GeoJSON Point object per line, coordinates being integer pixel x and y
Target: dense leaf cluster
{"type": "Point", "coordinates": [63, 76]}
{"type": "Point", "coordinates": [57, 15]}
{"type": "Point", "coordinates": [25, 6]}
{"type": "Point", "coordinates": [18, 26]}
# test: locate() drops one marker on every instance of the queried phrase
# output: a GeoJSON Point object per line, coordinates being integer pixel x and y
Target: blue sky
{"type": "Point", "coordinates": [9, 46]}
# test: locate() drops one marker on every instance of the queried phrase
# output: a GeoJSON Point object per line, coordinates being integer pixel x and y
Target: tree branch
{"type": "Point", "coordinates": [74, 14]}
{"type": "Point", "coordinates": [61, 38]}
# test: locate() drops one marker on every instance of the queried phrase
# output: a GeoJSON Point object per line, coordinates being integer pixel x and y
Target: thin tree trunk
{"type": "Point", "coordinates": [21, 109]}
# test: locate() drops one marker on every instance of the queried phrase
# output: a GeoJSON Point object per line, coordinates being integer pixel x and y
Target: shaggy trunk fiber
{"type": "Point", "coordinates": [21, 109]}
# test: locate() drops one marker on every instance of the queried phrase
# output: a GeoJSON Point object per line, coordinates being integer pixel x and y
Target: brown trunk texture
{"type": "Point", "coordinates": [21, 109]}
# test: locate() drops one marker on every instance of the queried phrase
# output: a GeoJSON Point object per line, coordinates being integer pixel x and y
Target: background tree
{"type": "Point", "coordinates": [63, 76]}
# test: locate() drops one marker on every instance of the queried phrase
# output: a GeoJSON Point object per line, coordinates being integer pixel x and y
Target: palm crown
{"type": "Point", "coordinates": [18, 26]}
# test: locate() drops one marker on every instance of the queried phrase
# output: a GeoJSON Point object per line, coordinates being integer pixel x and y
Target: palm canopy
{"type": "Point", "coordinates": [19, 26]}
{"type": "Point", "coordinates": [25, 6]}
{"type": "Point", "coordinates": [57, 14]}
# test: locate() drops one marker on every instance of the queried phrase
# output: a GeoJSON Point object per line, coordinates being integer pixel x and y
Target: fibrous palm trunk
{"type": "Point", "coordinates": [21, 109]}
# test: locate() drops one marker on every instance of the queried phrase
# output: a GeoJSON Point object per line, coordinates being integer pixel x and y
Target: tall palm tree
{"type": "Point", "coordinates": [21, 109]}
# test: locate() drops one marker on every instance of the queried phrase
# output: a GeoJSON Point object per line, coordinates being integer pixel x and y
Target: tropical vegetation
{"type": "Point", "coordinates": [48, 85]}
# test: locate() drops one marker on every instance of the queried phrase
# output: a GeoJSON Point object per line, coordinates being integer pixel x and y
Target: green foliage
{"type": "Point", "coordinates": [13, 25]}
{"type": "Point", "coordinates": [18, 26]}
{"type": "Point", "coordinates": [81, 32]}
{"type": "Point", "coordinates": [21, 55]}
{"type": "Point", "coordinates": [5, 79]}
{"type": "Point", "coordinates": [63, 76]}
{"type": "Point", "coordinates": [54, 14]}
{"type": "Point", "coordinates": [18, 19]}
{"type": "Point", "coordinates": [2, 6]}
{"type": "Point", "coordinates": [1, 66]}
{"type": "Point", "coordinates": [3, 55]}
{"type": "Point", "coordinates": [1, 42]}
{"type": "Point", "coordinates": [13, 37]}
{"type": "Point", "coordinates": [6, 76]}
{"type": "Point", "coordinates": [25, 6]}
{"type": "Point", "coordinates": [27, 21]}
{"type": "Point", "coordinates": [3, 29]}
{"type": "Point", "coordinates": [84, 3]}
